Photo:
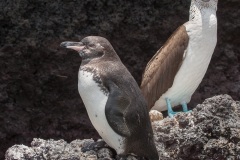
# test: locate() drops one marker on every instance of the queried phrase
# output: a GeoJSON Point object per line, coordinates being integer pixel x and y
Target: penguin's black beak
{"type": "Point", "coordinates": [77, 46]}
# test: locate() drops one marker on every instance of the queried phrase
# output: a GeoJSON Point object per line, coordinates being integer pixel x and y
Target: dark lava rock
{"type": "Point", "coordinates": [210, 131]}
{"type": "Point", "coordinates": [38, 79]}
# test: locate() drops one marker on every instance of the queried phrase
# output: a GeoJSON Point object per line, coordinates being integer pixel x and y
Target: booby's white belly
{"type": "Point", "coordinates": [95, 100]}
{"type": "Point", "coordinates": [185, 83]}
{"type": "Point", "coordinates": [190, 74]}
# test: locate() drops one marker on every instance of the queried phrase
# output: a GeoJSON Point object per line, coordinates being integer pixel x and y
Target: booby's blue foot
{"type": "Point", "coordinates": [169, 107]}
{"type": "Point", "coordinates": [185, 108]}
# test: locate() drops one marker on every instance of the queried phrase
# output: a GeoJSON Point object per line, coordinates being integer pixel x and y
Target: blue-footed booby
{"type": "Point", "coordinates": [176, 70]}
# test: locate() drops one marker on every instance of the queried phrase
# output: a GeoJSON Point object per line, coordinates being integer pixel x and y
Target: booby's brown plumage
{"type": "Point", "coordinates": [176, 70]}
{"type": "Point", "coordinates": [160, 72]}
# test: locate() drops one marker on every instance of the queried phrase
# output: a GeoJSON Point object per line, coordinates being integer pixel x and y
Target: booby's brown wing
{"type": "Point", "coordinates": [159, 74]}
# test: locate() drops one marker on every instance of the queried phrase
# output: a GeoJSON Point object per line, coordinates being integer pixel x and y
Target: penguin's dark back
{"type": "Point", "coordinates": [109, 69]}
{"type": "Point", "coordinates": [137, 116]}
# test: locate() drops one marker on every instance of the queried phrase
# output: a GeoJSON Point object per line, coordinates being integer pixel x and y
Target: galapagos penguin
{"type": "Point", "coordinates": [113, 100]}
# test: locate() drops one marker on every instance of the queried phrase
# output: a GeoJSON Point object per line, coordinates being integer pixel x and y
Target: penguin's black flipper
{"type": "Point", "coordinates": [115, 110]}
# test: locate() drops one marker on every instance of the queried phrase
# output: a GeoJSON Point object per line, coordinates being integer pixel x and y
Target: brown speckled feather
{"type": "Point", "coordinates": [159, 74]}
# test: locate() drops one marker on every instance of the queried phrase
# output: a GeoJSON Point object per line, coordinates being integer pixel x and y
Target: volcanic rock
{"type": "Point", "coordinates": [210, 131]}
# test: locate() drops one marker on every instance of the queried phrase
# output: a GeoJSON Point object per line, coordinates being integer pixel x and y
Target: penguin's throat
{"type": "Point", "coordinates": [95, 77]}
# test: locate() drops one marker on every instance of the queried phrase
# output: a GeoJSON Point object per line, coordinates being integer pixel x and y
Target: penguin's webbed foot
{"type": "Point", "coordinates": [124, 157]}
{"type": "Point", "coordinates": [121, 157]}
{"type": "Point", "coordinates": [94, 146]}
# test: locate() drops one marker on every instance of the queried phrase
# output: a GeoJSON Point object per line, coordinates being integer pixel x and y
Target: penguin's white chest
{"type": "Point", "coordinates": [95, 100]}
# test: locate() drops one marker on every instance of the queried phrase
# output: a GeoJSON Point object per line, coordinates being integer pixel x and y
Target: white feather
{"type": "Point", "coordinates": [202, 32]}
{"type": "Point", "coordinates": [95, 100]}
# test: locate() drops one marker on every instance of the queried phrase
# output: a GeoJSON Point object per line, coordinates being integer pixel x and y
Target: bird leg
{"type": "Point", "coordinates": [185, 108]}
{"type": "Point", "coordinates": [169, 107]}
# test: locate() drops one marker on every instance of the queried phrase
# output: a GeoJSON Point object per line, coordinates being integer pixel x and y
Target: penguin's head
{"type": "Point", "coordinates": [210, 4]}
{"type": "Point", "coordinates": [91, 47]}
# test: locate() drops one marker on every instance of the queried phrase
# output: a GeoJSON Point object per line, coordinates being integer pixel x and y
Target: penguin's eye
{"type": "Point", "coordinates": [91, 45]}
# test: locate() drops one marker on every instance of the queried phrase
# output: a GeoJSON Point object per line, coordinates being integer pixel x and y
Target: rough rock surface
{"type": "Point", "coordinates": [60, 150]}
{"type": "Point", "coordinates": [210, 131]}
{"type": "Point", "coordinates": [38, 79]}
